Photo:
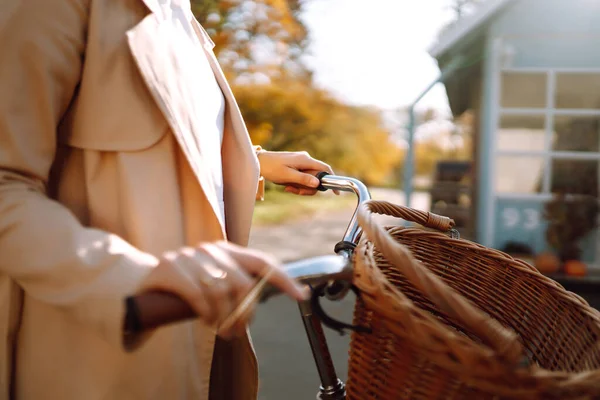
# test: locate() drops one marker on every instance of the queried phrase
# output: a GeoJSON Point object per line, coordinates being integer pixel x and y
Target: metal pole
{"type": "Point", "coordinates": [410, 155]}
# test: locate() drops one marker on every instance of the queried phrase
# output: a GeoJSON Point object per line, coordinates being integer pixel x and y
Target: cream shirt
{"type": "Point", "coordinates": [212, 102]}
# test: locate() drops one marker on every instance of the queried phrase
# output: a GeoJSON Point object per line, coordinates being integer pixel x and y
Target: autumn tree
{"type": "Point", "coordinates": [253, 37]}
{"type": "Point", "coordinates": [291, 115]}
{"type": "Point", "coordinates": [265, 39]}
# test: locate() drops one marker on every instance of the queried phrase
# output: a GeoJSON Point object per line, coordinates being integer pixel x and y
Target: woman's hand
{"type": "Point", "coordinates": [294, 170]}
{"type": "Point", "coordinates": [214, 278]}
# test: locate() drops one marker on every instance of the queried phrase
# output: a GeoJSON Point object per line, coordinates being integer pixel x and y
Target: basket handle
{"type": "Point", "coordinates": [500, 339]}
{"type": "Point", "coordinates": [426, 219]}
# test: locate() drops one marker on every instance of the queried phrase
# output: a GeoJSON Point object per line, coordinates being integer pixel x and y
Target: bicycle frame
{"type": "Point", "coordinates": [332, 388]}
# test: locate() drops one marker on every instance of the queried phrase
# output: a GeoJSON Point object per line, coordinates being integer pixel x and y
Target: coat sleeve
{"type": "Point", "coordinates": [84, 272]}
{"type": "Point", "coordinates": [260, 190]}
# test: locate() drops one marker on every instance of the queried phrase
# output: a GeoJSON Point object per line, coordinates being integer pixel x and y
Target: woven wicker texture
{"type": "Point", "coordinates": [451, 319]}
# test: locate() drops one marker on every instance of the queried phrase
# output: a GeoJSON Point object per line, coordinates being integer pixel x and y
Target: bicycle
{"type": "Point", "coordinates": [484, 324]}
{"type": "Point", "coordinates": [328, 276]}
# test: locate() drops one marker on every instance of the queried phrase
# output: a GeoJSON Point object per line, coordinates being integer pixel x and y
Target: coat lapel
{"type": "Point", "coordinates": [168, 73]}
{"type": "Point", "coordinates": [163, 53]}
{"type": "Point", "coordinates": [240, 166]}
{"type": "Point", "coordinates": [161, 50]}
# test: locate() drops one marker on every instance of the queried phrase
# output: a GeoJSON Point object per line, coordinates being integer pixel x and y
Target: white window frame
{"type": "Point", "coordinates": [549, 112]}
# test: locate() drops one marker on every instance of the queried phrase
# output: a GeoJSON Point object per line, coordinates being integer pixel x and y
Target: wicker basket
{"type": "Point", "coordinates": [451, 319]}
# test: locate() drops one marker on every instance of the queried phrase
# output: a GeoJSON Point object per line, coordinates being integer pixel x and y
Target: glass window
{"type": "Point", "coordinates": [575, 177]}
{"type": "Point", "coordinates": [576, 134]}
{"type": "Point", "coordinates": [521, 132]}
{"type": "Point", "coordinates": [525, 90]}
{"type": "Point", "coordinates": [519, 174]}
{"type": "Point", "coordinates": [577, 90]}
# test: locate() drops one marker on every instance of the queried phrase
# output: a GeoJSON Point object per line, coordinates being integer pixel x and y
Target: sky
{"type": "Point", "coordinates": [374, 52]}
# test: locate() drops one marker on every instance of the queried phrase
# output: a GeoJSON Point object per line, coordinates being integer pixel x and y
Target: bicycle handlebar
{"type": "Point", "coordinates": [352, 185]}
{"type": "Point", "coordinates": [153, 309]}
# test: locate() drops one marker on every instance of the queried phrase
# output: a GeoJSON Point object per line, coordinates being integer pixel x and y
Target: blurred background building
{"type": "Point", "coordinates": [531, 77]}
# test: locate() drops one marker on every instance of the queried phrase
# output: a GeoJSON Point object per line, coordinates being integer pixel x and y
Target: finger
{"type": "Point", "coordinates": [293, 177]}
{"type": "Point", "coordinates": [305, 162]}
{"type": "Point", "coordinates": [328, 170]}
{"type": "Point", "coordinates": [258, 263]}
{"type": "Point", "coordinates": [240, 281]}
{"type": "Point", "coordinates": [183, 283]}
{"type": "Point", "coordinates": [307, 192]}
{"type": "Point", "coordinates": [240, 285]}
{"type": "Point", "coordinates": [291, 189]}
{"type": "Point", "coordinates": [243, 311]}
{"type": "Point", "coordinates": [303, 180]}
{"type": "Point", "coordinates": [245, 308]}
{"type": "Point", "coordinates": [199, 266]}
{"type": "Point", "coordinates": [300, 191]}
{"type": "Point", "coordinates": [228, 284]}
{"type": "Point", "coordinates": [240, 325]}
{"type": "Point", "coordinates": [226, 303]}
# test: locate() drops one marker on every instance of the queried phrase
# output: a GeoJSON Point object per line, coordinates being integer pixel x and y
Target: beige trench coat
{"type": "Point", "coordinates": [101, 170]}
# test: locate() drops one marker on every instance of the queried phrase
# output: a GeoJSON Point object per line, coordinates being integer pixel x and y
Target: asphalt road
{"type": "Point", "coordinates": [287, 369]}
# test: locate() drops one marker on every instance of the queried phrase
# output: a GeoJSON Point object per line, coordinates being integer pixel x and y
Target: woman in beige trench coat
{"type": "Point", "coordinates": [125, 166]}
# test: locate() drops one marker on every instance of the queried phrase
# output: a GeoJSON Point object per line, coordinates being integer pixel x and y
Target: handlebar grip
{"type": "Point", "coordinates": [153, 309]}
{"type": "Point", "coordinates": [320, 176]}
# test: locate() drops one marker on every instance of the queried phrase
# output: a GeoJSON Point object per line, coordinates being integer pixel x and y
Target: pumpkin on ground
{"type": "Point", "coordinates": [575, 268]}
{"type": "Point", "coordinates": [547, 263]}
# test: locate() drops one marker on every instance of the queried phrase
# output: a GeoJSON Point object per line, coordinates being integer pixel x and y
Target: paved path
{"type": "Point", "coordinates": [287, 369]}
{"type": "Point", "coordinates": [318, 234]}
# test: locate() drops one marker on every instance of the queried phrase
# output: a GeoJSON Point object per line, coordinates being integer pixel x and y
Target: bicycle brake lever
{"type": "Point", "coordinates": [338, 326]}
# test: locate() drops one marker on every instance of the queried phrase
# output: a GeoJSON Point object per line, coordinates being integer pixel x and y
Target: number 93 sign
{"type": "Point", "coordinates": [525, 218]}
